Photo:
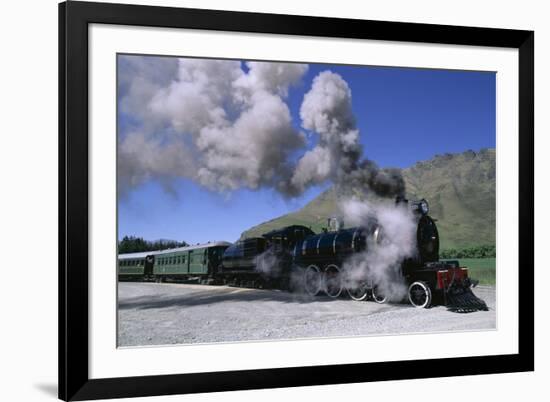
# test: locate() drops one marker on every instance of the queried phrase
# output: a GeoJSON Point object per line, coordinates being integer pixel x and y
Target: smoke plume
{"type": "Point", "coordinates": [229, 123]}
{"type": "Point", "coordinates": [338, 156]}
{"type": "Point", "coordinates": [226, 125]}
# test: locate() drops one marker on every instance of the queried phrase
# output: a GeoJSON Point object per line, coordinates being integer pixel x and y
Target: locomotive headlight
{"type": "Point", "coordinates": [423, 207]}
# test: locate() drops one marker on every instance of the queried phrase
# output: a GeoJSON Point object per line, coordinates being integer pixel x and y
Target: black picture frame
{"type": "Point", "coordinates": [74, 18]}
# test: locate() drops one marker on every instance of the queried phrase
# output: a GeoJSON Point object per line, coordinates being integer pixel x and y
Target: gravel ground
{"type": "Point", "coordinates": [160, 314]}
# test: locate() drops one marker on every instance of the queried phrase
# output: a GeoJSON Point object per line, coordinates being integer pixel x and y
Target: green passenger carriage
{"type": "Point", "coordinates": [182, 263]}
{"type": "Point", "coordinates": [135, 265]}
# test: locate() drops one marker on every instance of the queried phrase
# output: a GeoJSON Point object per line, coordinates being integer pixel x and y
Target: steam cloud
{"type": "Point", "coordinates": [212, 122]}
{"type": "Point", "coordinates": [381, 261]}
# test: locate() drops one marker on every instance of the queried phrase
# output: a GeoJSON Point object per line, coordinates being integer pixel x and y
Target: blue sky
{"type": "Point", "coordinates": [403, 116]}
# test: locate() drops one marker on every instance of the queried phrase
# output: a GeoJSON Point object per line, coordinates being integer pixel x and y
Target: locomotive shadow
{"type": "Point", "coordinates": [201, 298]}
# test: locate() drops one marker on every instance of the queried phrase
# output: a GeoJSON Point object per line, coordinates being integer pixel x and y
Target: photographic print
{"type": "Point", "coordinates": [270, 200]}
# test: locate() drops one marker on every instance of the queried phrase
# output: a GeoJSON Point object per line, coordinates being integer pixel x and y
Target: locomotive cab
{"type": "Point", "coordinates": [284, 240]}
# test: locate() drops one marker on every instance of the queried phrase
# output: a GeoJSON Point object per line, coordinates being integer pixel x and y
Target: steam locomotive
{"type": "Point", "coordinates": [296, 257]}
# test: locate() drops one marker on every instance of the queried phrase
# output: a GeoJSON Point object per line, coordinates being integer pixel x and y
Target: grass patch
{"type": "Point", "coordinates": [482, 269]}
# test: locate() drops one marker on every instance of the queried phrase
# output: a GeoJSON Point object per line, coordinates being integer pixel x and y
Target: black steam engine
{"type": "Point", "coordinates": [296, 257]}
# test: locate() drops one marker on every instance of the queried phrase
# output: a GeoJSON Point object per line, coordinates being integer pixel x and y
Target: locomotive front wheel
{"type": "Point", "coordinates": [313, 280]}
{"type": "Point", "coordinates": [420, 294]}
{"type": "Point", "coordinates": [359, 292]}
{"type": "Point", "coordinates": [333, 281]}
{"type": "Point", "coordinates": [378, 296]}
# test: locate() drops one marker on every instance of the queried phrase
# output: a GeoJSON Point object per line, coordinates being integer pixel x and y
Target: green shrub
{"type": "Point", "coordinates": [484, 251]}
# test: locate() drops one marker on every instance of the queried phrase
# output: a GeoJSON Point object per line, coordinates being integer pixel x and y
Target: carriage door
{"type": "Point", "coordinates": [148, 269]}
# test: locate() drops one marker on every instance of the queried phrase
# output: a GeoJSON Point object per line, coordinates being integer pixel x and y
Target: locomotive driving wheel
{"type": "Point", "coordinates": [420, 294]}
{"type": "Point", "coordinates": [378, 295]}
{"type": "Point", "coordinates": [313, 280]}
{"type": "Point", "coordinates": [333, 281]}
{"type": "Point", "coordinates": [359, 291]}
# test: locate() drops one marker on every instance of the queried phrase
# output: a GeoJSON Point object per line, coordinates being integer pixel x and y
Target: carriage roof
{"type": "Point", "coordinates": [144, 254]}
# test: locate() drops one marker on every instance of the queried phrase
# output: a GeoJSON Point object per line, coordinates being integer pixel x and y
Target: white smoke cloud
{"type": "Point", "coordinates": [235, 122]}
{"type": "Point", "coordinates": [327, 110]}
{"type": "Point", "coordinates": [274, 78]}
{"type": "Point", "coordinates": [253, 150]}
{"type": "Point", "coordinates": [139, 79]}
{"type": "Point", "coordinates": [382, 259]}
{"type": "Point", "coordinates": [199, 96]}
{"type": "Point", "coordinates": [313, 168]}
{"type": "Point", "coordinates": [142, 157]}
{"type": "Point", "coordinates": [226, 125]}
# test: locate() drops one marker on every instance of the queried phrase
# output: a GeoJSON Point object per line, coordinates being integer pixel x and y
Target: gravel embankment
{"type": "Point", "coordinates": [158, 314]}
